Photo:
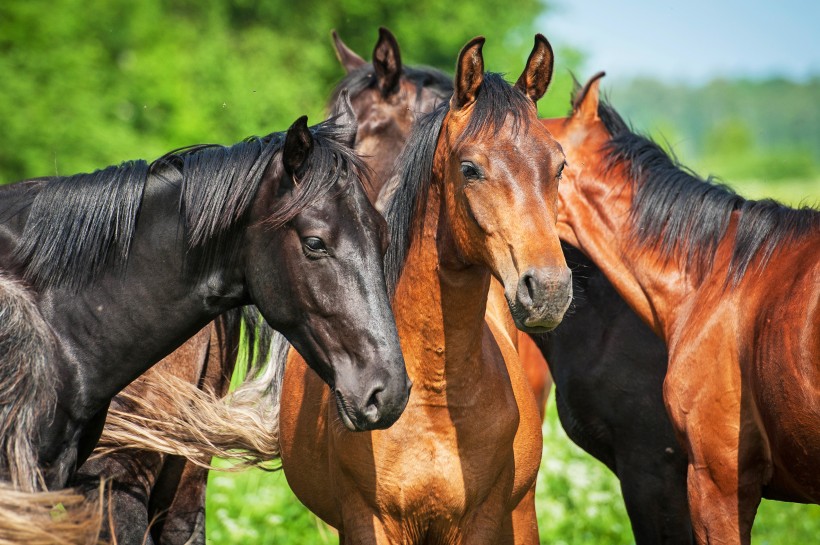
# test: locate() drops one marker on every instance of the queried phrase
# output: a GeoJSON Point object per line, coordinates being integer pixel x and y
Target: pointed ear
{"type": "Point", "coordinates": [345, 118]}
{"type": "Point", "coordinates": [350, 60]}
{"type": "Point", "coordinates": [387, 62]}
{"type": "Point", "coordinates": [469, 74]}
{"type": "Point", "coordinates": [585, 105]}
{"type": "Point", "coordinates": [298, 143]}
{"type": "Point", "coordinates": [537, 73]}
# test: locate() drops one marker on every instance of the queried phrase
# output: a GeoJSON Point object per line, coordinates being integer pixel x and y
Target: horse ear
{"type": "Point", "coordinates": [298, 143]}
{"type": "Point", "coordinates": [346, 119]}
{"type": "Point", "coordinates": [469, 74]}
{"type": "Point", "coordinates": [350, 60]}
{"type": "Point", "coordinates": [387, 62]}
{"type": "Point", "coordinates": [537, 73]}
{"type": "Point", "coordinates": [585, 105]}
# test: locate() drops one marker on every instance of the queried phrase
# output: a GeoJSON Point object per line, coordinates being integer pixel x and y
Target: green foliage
{"type": "Point", "coordinates": [95, 82]}
{"type": "Point", "coordinates": [765, 131]}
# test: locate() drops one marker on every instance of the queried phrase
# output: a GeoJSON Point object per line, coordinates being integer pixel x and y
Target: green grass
{"type": "Point", "coordinates": [578, 502]}
{"type": "Point", "coordinates": [578, 499]}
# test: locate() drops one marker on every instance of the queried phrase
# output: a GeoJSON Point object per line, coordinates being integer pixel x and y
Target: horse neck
{"type": "Point", "coordinates": [595, 218]}
{"type": "Point", "coordinates": [137, 317]}
{"type": "Point", "coordinates": [439, 308]}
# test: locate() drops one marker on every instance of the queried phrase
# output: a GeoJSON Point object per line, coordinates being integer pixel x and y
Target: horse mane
{"type": "Point", "coordinates": [423, 77]}
{"type": "Point", "coordinates": [79, 225]}
{"type": "Point", "coordinates": [496, 99]}
{"type": "Point", "coordinates": [686, 216]}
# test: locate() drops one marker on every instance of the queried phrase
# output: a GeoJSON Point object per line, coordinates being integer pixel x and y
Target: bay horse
{"type": "Point", "coordinates": [387, 95]}
{"type": "Point", "coordinates": [154, 252]}
{"type": "Point", "coordinates": [733, 288]}
{"type": "Point", "coordinates": [602, 348]}
{"type": "Point", "coordinates": [460, 465]}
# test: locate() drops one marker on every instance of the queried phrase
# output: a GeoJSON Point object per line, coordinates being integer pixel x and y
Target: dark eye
{"type": "Point", "coordinates": [561, 171]}
{"type": "Point", "coordinates": [470, 171]}
{"type": "Point", "coordinates": [314, 247]}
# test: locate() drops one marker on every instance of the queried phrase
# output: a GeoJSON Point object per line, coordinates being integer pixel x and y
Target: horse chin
{"type": "Point", "coordinates": [536, 329]}
{"type": "Point", "coordinates": [529, 323]}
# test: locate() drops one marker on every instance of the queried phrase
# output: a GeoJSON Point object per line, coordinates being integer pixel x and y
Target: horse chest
{"type": "Point", "coordinates": [444, 472]}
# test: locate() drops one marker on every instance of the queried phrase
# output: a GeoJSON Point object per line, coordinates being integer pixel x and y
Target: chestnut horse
{"type": "Point", "coordinates": [732, 286]}
{"type": "Point", "coordinates": [468, 193]}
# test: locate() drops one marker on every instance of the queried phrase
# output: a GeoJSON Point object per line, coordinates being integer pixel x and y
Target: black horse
{"type": "Point", "coordinates": [128, 262]}
{"type": "Point", "coordinates": [608, 369]}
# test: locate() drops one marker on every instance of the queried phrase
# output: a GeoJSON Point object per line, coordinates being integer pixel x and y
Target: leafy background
{"type": "Point", "coordinates": [88, 83]}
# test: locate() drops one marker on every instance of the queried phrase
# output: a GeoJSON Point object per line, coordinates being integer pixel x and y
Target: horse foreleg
{"type": "Point", "coordinates": [521, 527]}
{"type": "Point", "coordinates": [726, 467]}
{"type": "Point", "coordinates": [722, 511]}
{"type": "Point", "coordinates": [653, 485]}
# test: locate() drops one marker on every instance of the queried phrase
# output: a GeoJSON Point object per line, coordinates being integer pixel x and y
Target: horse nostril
{"type": "Point", "coordinates": [529, 282]}
{"type": "Point", "coordinates": [373, 405]}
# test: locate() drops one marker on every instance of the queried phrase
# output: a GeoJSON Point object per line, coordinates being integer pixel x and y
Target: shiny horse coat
{"type": "Point", "coordinates": [471, 414]}
{"type": "Point", "coordinates": [733, 288]}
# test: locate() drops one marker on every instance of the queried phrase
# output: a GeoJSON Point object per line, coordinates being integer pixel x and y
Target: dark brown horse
{"type": "Point", "coordinates": [732, 286]}
{"type": "Point", "coordinates": [460, 466]}
{"type": "Point", "coordinates": [161, 495]}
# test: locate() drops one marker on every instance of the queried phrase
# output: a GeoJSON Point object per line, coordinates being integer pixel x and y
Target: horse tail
{"type": "Point", "coordinates": [198, 424]}
{"type": "Point", "coordinates": [59, 517]}
{"type": "Point", "coordinates": [28, 512]}
{"type": "Point", "coordinates": [27, 391]}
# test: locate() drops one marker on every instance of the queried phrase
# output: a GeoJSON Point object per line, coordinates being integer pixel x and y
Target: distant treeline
{"type": "Point", "coordinates": [88, 83]}
{"type": "Point", "coordinates": [741, 129]}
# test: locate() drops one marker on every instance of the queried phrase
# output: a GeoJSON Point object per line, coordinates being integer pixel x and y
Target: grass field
{"type": "Point", "coordinates": [578, 499]}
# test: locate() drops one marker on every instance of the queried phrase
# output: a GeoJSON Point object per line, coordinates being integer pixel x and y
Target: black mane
{"type": "Point", "coordinates": [496, 100]}
{"type": "Point", "coordinates": [423, 77]}
{"type": "Point", "coordinates": [79, 225]}
{"type": "Point", "coordinates": [687, 216]}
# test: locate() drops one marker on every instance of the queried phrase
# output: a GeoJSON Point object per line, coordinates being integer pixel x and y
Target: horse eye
{"type": "Point", "coordinates": [561, 171]}
{"type": "Point", "coordinates": [470, 171]}
{"type": "Point", "coordinates": [314, 245]}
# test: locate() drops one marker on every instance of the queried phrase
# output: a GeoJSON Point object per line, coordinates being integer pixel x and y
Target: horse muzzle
{"type": "Point", "coordinates": [541, 298]}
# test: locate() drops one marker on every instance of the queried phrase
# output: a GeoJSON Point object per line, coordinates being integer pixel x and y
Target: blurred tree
{"type": "Point", "coordinates": [739, 129]}
{"type": "Point", "coordinates": [87, 83]}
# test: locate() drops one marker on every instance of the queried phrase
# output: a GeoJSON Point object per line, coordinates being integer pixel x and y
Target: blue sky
{"type": "Point", "coordinates": [690, 41]}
